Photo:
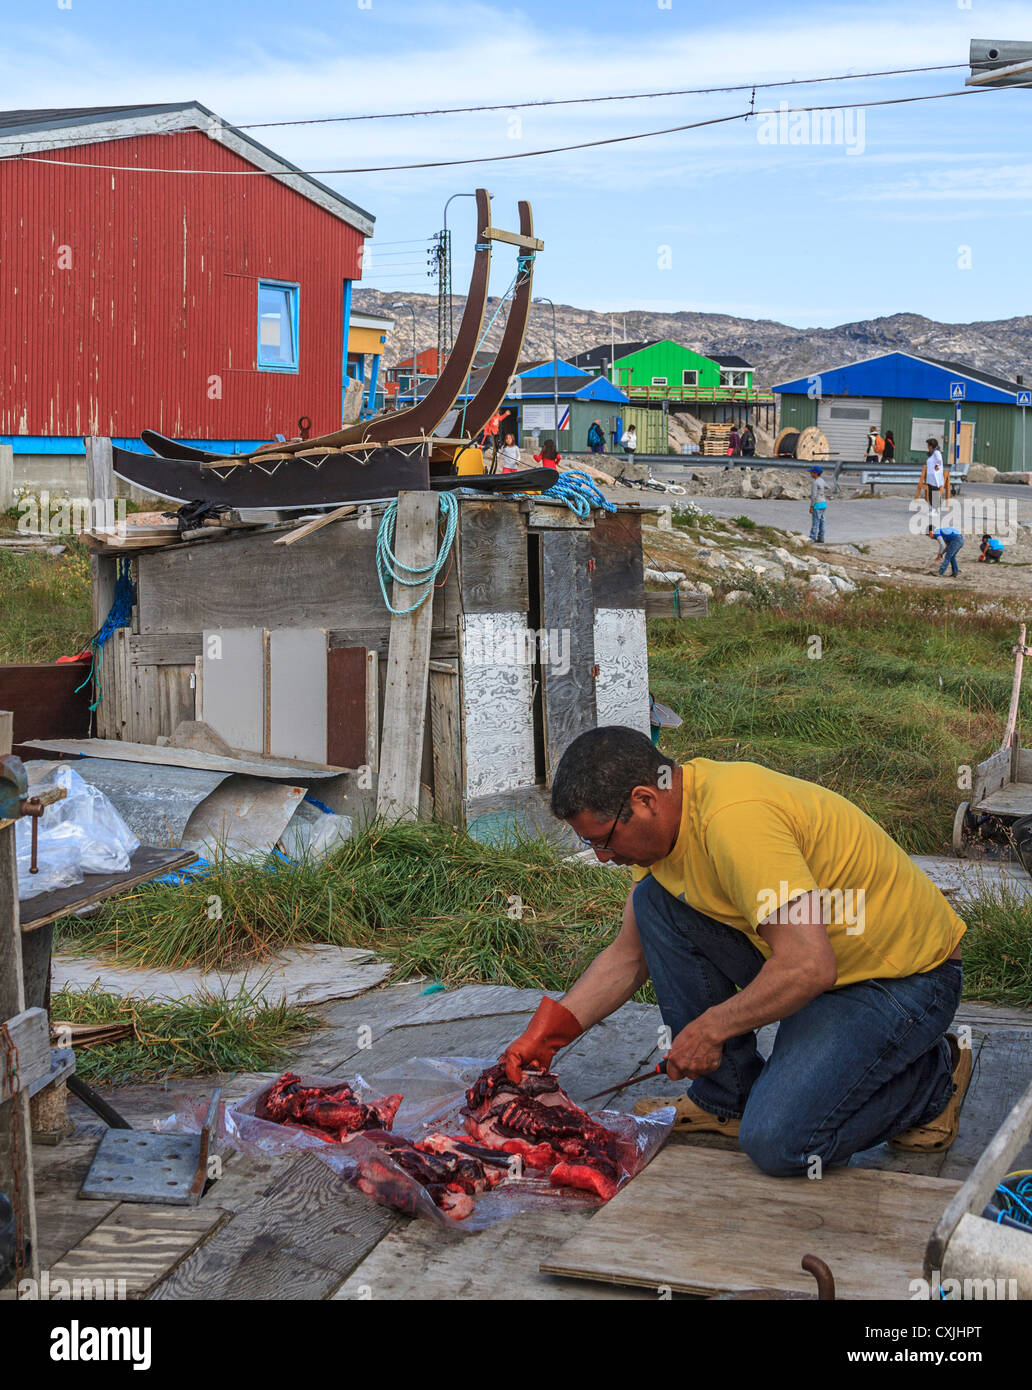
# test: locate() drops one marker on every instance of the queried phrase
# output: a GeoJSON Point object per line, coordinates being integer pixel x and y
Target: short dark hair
{"type": "Point", "coordinates": [601, 768]}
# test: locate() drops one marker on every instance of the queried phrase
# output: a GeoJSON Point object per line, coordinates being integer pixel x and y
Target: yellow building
{"type": "Point", "coordinates": [367, 337]}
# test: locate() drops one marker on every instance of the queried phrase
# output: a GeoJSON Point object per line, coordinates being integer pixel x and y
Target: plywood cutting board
{"type": "Point", "coordinates": [704, 1221]}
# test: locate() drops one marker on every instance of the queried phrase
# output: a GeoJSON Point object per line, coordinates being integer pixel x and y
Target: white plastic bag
{"type": "Point", "coordinates": [82, 834]}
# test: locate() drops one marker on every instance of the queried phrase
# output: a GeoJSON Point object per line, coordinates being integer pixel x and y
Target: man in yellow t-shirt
{"type": "Point", "coordinates": [761, 898]}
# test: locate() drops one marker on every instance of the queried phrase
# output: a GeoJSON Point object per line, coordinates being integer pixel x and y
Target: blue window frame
{"type": "Point", "coordinates": [277, 326]}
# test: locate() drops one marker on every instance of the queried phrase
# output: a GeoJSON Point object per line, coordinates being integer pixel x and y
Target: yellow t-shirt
{"type": "Point", "coordinates": [751, 840]}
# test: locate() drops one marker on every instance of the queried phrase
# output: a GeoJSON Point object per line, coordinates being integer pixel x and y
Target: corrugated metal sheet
{"type": "Point", "coordinates": [130, 299]}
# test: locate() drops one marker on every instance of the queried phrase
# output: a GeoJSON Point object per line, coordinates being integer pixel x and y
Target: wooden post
{"type": "Point", "coordinates": [15, 1122]}
{"type": "Point", "coordinates": [408, 664]}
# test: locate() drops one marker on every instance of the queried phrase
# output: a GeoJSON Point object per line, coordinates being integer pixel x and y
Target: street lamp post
{"type": "Point", "coordinates": [555, 369]}
{"type": "Point", "coordinates": [415, 368]}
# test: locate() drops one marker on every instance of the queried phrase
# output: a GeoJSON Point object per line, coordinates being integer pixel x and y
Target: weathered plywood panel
{"type": "Point", "coordinates": [492, 558]}
{"type": "Point", "coordinates": [297, 694]}
{"type": "Point", "coordinates": [233, 686]}
{"type": "Point", "coordinates": [497, 703]}
{"type": "Point", "coordinates": [622, 687]}
{"type": "Point", "coordinates": [703, 1221]}
{"type": "Point", "coordinates": [618, 579]}
{"type": "Point", "coordinates": [138, 1244]}
{"type": "Point", "coordinates": [351, 698]}
{"type": "Point", "coordinates": [408, 662]}
{"type": "Point", "coordinates": [567, 650]}
{"type": "Point", "coordinates": [248, 581]}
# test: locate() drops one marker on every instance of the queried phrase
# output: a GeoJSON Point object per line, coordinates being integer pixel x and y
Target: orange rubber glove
{"type": "Point", "coordinates": [552, 1027]}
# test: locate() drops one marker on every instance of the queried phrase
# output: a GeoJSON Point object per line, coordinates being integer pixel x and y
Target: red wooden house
{"type": "Point", "coordinates": [159, 268]}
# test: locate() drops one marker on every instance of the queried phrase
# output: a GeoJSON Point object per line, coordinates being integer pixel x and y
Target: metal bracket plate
{"type": "Point", "coordinates": [133, 1165]}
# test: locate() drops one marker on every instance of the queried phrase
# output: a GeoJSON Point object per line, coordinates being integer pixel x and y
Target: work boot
{"type": "Point", "coordinates": [940, 1133]}
{"type": "Point", "coordinates": [691, 1118]}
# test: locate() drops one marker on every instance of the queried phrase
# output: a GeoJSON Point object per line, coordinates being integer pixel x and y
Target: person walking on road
{"type": "Point", "coordinates": [748, 442]}
{"type": "Point", "coordinates": [596, 439]}
{"type": "Point", "coordinates": [818, 504]}
{"type": "Point", "coordinates": [629, 442]}
{"type": "Point", "coordinates": [889, 451]}
{"type": "Point", "coordinates": [950, 541]}
{"type": "Point", "coordinates": [934, 475]}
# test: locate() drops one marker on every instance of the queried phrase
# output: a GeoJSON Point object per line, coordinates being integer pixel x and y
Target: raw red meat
{"type": "Point", "coordinates": [331, 1112]}
{"type": "Point", "coordinates": [440, 1164]}
{"type": "Point", "coordinates": [539, 1120]}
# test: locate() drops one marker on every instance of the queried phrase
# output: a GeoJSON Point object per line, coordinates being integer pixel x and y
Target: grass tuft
{"type": "Point", "coordinates": [189, 1038]}
{"type": "Point", "coordinates": [424, 896]}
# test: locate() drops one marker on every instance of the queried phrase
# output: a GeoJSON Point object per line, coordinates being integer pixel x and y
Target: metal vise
{"type": "Point", "coordinates": [15, 801]}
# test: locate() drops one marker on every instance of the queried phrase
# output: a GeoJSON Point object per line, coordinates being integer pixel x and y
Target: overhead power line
{"type": "Point", "coordinates": [583, 101]}
{"type": "Point", "coordinates": [522, 154]}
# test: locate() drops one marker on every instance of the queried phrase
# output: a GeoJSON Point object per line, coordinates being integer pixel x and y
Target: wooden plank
{"type": "Point", "coordinates": [349, 675]}
{"type": "Point", "coordinates": [529, 243]}
{"type": "Point", "coordinates": [165, 649]}
{"type": "Point", "coordinates": [492, 543]}
{"type": "Point", "coordinates": [991, 775]}
{"type": "Point", "coordinates": [684, 603]}
{"type": "Point", "coordinates": [16, 1163]}
{"type": "Point", "coordinates": [870, 1227]}
{"type": "Point", "coordinates": [372, 711]}
{"type": "Point", "coordinates": [248, 581]}
{"type": "Point", "coordinates": [44, 700]}
{"type": "Point", "coordinates": [233, 675]}
{"type": "Point", "coordinates": [553, 516]}
{"type": "Point", "coordinates": [126, 751]}
{"type": "Point", "coordinates": [296, 1241]}
{"type": "Point", "coordinates": [618, 579]}
{"type": "Point", "coordinates": [297, 694]}
{"type": "Point", "coordinates": [60, 1169]}
{"type": "Point", "coordinates": [138, 1244]}
{"type": "Point", "coordinates": [308, 527]}
{"type": "Point", "coordinates": [29, 1033]}
{"type": "Point", "coordinates": [447, 744]}
{"type": "Point", "coordinates": [408, 664]}
{"type": "Point", "coordinates": [567, 653]}
{"type": "Point", "coordinates": [100, 476]}
{"type": "Point", "coordinates": [418, 1261]}
{"type": "Point", "coordinates": [145, 864]}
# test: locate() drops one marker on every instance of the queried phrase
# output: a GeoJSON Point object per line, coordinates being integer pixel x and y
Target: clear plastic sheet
{"type": "Point", "coordinates": [434, 1089]}
{"type": "Point", "coordinates": [82, 834]}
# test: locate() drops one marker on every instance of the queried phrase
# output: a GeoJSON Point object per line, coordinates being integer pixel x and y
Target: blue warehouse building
{"type": "Point", "coordinates": [915, 397]}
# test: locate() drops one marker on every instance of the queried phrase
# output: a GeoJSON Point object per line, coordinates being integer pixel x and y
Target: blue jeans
{"type": "Point", "coordinates": [854, 1067]}
{"type": "Point", "coordinates": [953, 544]}
{"type": "Point", "coordinates": [817, 524]}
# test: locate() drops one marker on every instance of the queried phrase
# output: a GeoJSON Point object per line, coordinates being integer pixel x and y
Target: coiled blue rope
{"type": "Point", "coordinates": [389, 567]}
{"type": "Point", "coordinates": [120, 616]}
{"type": "Point", "coordinates": [578, 491]}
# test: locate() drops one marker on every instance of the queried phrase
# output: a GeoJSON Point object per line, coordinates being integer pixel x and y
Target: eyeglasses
{"type": "Point", "coordinates": [601, 849]}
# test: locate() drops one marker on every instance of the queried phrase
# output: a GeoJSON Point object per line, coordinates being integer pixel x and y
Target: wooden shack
{"type": "Point", "coordinates": [535, 632]}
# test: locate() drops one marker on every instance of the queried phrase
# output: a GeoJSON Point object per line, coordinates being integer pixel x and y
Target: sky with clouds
{"type": "Point", "coordinates": [921, 207]}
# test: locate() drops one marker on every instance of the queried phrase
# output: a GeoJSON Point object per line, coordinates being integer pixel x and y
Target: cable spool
{"type": "Point", "coordinates": [785, 444]}
{"type": "Point", "coordinates": [808, 446]}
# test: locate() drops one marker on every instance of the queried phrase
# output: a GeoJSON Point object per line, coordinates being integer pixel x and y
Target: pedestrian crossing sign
{"type": "Point", "coordinates": [958, 390]}
{"type": "Point", "coordinates": [1025, 398]}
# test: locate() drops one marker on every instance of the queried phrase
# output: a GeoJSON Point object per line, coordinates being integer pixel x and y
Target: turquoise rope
{"type": "Point", "coordinates": [389, 567]}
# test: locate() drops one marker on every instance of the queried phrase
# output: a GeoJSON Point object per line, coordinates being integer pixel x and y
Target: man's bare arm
{"type": "Point", "coordinates": [612, 977]}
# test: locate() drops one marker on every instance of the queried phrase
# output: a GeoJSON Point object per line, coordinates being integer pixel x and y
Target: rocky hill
{"type": "Point", "coordinates": [778, 352]}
